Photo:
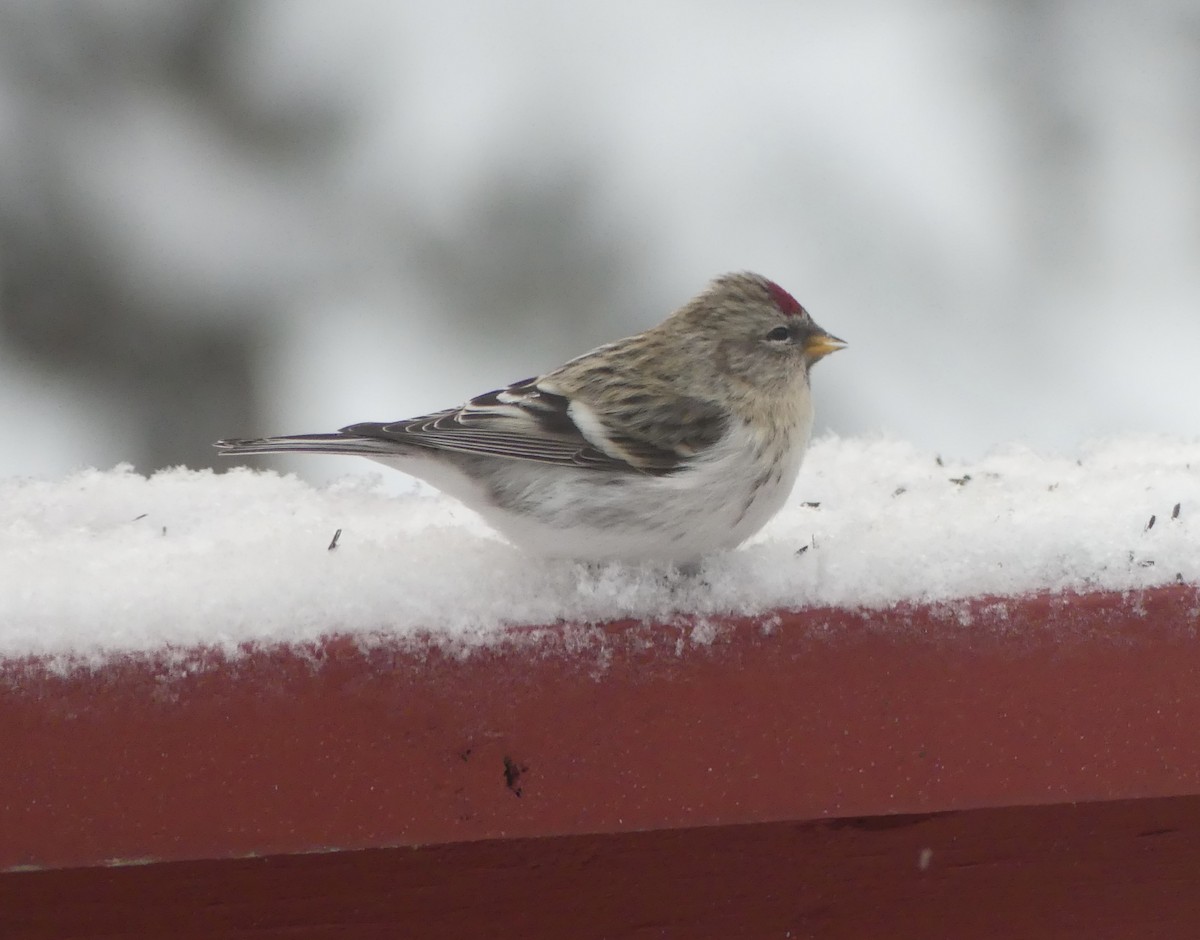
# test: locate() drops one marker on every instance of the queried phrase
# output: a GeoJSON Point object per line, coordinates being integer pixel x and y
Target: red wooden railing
{"type": "Point", "coordinates": [995, 767]}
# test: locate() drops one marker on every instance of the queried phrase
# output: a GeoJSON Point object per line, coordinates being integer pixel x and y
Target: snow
{"type": "Point", "coordinates": [105, 563]}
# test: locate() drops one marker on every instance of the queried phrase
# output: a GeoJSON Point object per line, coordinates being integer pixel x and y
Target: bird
{"type": "Point", "coordinates": [667, 446]}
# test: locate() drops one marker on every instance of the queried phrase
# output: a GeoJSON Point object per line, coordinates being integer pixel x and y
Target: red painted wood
{"type": "Point", "coordinates": [803, 716]}
{"type": "Point", "coordinates": [1101, 871]}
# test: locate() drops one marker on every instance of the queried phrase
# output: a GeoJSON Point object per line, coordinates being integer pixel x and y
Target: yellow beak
{"type": "Point", "coordinates": [822, 344]}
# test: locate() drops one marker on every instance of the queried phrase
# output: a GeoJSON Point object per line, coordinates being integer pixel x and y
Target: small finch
{"type": "Point", "coordinates": [665, 446]}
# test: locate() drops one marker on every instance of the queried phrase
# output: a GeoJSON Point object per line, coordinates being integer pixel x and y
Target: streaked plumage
{"type": "Point", "coordinates": [667, 445]}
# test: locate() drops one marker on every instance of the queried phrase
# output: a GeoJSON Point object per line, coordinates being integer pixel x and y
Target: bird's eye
{"type": "Point", "coordinates": [779, 334]}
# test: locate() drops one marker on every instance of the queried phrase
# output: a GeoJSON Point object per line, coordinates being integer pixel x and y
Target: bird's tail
{"type": "Point", "coordinates": [336, 443]}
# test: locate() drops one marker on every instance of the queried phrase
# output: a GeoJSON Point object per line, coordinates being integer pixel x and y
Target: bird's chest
{"type": "Point", "coordinates": [738, 491]}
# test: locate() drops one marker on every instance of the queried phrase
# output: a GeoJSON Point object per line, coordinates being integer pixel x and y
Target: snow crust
{"type": "Point", "coordinates": [110, 562]}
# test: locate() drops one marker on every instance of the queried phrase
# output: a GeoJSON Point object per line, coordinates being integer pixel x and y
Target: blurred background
{"type": "Point", "coordinates": [240, 217]}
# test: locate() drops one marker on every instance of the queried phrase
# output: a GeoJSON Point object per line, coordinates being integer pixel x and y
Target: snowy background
{"type": "Point", "coordinates": [235, 217]}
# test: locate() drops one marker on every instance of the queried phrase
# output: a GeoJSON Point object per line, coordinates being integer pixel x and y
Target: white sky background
{"type": "Point", "coordinates": [1002, 220]}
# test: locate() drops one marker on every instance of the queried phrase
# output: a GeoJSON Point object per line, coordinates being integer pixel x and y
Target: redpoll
{"type": "Point", "coordinates": [667, 445]}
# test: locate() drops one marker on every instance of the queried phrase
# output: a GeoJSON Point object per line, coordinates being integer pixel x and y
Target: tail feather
{"type": "Point", "coordinates": [309, 444]}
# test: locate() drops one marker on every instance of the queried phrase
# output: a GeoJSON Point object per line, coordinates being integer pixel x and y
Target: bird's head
{"type": "Point", "coordinates": [754, 333]}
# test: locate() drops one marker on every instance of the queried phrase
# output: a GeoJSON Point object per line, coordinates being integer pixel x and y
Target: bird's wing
{"type": "Point", "coordinates": [529, 420]}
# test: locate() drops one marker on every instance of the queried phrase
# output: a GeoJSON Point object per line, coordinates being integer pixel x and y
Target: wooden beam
{"type": "Point", "coordinates": [800, 716]}
{"type": "Point", "coordinates": [1105, 871]}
